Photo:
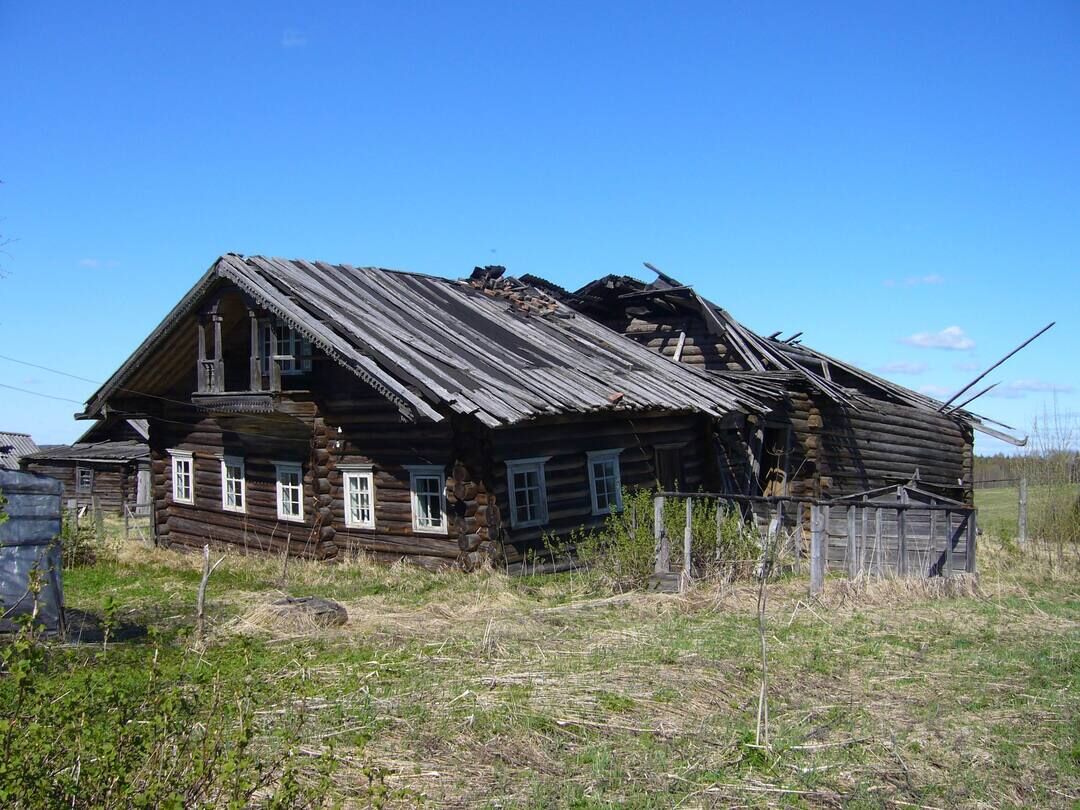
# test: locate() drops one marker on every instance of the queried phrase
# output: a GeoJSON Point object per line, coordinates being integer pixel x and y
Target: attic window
{"type": "Point", "coordinates": [291, 345]}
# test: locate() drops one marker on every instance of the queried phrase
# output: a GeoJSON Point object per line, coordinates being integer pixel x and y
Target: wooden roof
{"type": "Point", "coordinates": [493, 348]}
{"type": "Point", "coordinates": [114, 452]}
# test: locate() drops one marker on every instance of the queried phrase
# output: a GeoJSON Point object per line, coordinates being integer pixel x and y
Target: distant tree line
{"type": "Point", "coordinates": [1001, 470]}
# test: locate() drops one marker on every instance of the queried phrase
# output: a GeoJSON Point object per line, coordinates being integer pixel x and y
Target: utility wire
{"type": "Point", "coordinates": [134, 391]}
{"type": "Point", "coordinates": [39, 394]}
{"type": "Point", "coordinates": [280, 436]}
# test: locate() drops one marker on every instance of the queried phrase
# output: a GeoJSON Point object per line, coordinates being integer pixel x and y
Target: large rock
{"type": "Point", "coordinates": [315, 609]}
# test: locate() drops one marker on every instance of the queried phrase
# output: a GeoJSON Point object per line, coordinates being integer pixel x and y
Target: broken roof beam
{"type": "Point", "coordinates": [654, 292]}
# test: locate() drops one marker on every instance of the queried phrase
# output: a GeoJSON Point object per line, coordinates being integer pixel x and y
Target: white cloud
{"type": "Point", "coordinates": [915, 281]}
{"type": "Point", "coordinates": [903, 367]}
{"type": "Point", "coordinates": [291, 38]}
{"type": "Point", "coordinates": [96, 264]}
{"type": "Point", "coordinates": [1018, 389]}
{"type": "Point", "coordinates": [951, 337]}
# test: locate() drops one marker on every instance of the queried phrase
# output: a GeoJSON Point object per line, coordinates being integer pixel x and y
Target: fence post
{"type": "Point", "coordinates": [901, 542]}
{"type": "Point", "coordinates": [862, 539]}
{"type": "Point", "coordinates": [817, 549]}
{"type": "Point", "coordinates": [933, 543]}
{"type": "Point", "coordinates": [879, 540]}
{"type": "Point", "coordinates": [852, 549]}
{"type": "Point", "coordinates": [719, 529]}
{"type": "Point", "coordinates": [663, 545]}
{"type": "Point", "coordinates": [971, 531]}
{"type": "Point", "coordinates": [1021, 529]}
{"type": "Point", "coordinates": [688, 541]}
{"type": "Point", "coordinates": [99, 519]}
{"type": "Point", "coordinates": [948, 543]}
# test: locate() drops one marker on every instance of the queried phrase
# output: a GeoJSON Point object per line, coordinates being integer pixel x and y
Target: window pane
{"type": "Point", "coordinates": [428, 502]}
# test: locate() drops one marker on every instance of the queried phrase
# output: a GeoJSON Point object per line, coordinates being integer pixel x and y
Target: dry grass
{"type": "Point", "coordinates": [455, 690]}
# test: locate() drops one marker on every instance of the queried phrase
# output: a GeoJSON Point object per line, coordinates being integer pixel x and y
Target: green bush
{"type": "Point", "coordinates": [139, 727]}
{"type": "Point", "coordinates": [623, 549]}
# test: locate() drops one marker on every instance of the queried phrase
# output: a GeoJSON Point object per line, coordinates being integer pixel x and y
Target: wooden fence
{"type": "Point", "coordinates": [864, 538]}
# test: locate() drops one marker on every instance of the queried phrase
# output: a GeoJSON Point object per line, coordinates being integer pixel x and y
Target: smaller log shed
{"type": "Point", "coordinates": [318, 409]}
{"type": "Point", "coordinates": [108, 466]}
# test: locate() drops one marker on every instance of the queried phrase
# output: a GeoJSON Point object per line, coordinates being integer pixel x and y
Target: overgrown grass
{"type": "Point", "coordinates": [449, 689]}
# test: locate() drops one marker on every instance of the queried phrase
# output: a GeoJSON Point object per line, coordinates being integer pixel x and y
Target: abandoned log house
{"type": "Point", "coordinates": [107, 468]}
{"type": "Point", "coordinates": [839, 431]}
{"type": "Point", "coordinates": [317, 409]}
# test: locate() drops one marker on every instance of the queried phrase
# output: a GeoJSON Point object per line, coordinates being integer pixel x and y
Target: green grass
{"type": "Point", "coordinates": [478, 690]}
{"type": "Point", "coordinates": [999, 508]}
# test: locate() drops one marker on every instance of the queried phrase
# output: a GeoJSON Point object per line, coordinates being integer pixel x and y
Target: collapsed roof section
{"type": "Point", "coordinates": [755, 356]}
{"type": "Point", "coordinates": [491, 347]}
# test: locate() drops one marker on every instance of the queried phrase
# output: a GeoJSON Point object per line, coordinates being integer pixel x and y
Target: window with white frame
{"type": "Point", "coordinates": [528, 492]}
{"type": "Point", "coordinates": [290, 491]}
{"type": "Point", "coordinates": [289, 344]}
{"type": "Point", "coordinates": [183, 476]}
{"type": "Point", "coordinates": [84, 479]}
{"type": "Point", "coordinates": [605, 481]}
{"type": "Point", "coordinates": [427, 486]}
{"type": "Point", "coordinates": [359, 482]}
{"type": "Point", "coordinates": [233, 488]}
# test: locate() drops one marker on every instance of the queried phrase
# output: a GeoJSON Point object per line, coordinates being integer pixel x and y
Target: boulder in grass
{"type": "Point", "coordinates": [313, 609]}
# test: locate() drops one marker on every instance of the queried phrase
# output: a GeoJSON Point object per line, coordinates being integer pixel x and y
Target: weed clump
{"type": "Point", "coordinates": [623, 550]}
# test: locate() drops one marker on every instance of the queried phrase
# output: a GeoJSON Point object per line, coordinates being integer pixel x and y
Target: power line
{"type": "Point", "coordinates": [167, 400]}
{"type": "Point", "coordinates": [39, 394]}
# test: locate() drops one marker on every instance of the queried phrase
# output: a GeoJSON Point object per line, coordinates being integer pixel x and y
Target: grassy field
{"type": "Point", "coordinates": [1000, 506]}
{"type": "Point", "coordinates": [453, 690]}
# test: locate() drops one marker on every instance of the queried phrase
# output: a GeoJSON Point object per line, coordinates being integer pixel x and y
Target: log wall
{"type": "Point", "coordinates": [567, 442]}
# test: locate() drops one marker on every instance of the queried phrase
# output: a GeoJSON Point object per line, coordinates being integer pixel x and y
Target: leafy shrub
{"type": "Point", "coordinates": [78, 542]}
{"type": "Point", "coordinates": [623, 549]}
{"type": "Point", "coordinates": [139, 727]}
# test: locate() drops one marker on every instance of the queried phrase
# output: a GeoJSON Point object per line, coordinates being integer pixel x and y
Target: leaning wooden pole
{"type": "Point", "coordinates": [971, 384]}
{"type": "Point", "coordinates": [200, 602]}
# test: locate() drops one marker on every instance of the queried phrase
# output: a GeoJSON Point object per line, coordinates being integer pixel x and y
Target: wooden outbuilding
{"type": "Point", "coordinates": [107, 468]}
{"type": "Point", "coordinates": [318, 409]}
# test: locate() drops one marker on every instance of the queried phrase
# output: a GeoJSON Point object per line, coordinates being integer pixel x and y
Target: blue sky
{"type": "Point", "coordinates": [891, 178]}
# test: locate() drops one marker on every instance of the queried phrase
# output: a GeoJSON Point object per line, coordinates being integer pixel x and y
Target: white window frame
{"type": "Point", "coordinates": [233, 461]}
{"type": "Point", "coordinates": [598, 456]}
{"type": "Point", "coordinates": [179, 457]}
{"type": "Point", "coordinates": [295, 345]}
{"type": "Point", "coordinates": [80, 469]}
{"type": "Point", "coordinates": [289, 467]}
{"type": "Point", "coordinates": [525, 465]}
{"type": "Point", "coordinates": [417, 471]}
{"type": "Point", "coordinates": [356, 472]}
